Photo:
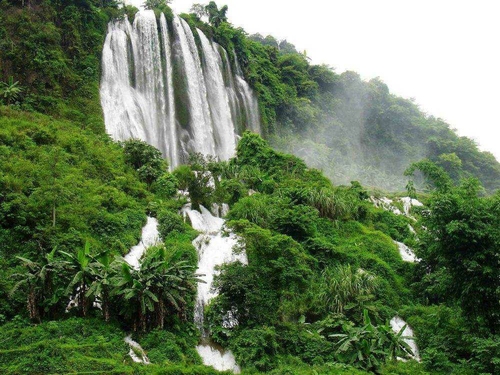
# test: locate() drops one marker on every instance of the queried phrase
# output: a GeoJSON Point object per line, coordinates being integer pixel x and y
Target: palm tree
{"type": "Point", "coordinates": [136, 288]}
{"type": "Point", "coordinates": [79, 264]}
{"type": "Point", "coordinates": [161, 285]}
{"type": "Point", "coordinates": [39, 282]}
{"type": "Point", "coordinates": [173, 279]}
{"type": "Point", "coordinates": [103, 271]}
{"type": "Point", "coordinates": [10, 90]}
{"type": "Point", "coordinates": [215, 15]}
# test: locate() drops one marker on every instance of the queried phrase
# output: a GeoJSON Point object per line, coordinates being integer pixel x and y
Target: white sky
{"type": "Point", "coordinates": [443, 53]}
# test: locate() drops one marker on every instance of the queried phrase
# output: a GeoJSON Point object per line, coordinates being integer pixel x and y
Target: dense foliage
{"type": "Point", "coordinates": [324, 276]}
{"type": "Point", "coordinates": [349, 128]}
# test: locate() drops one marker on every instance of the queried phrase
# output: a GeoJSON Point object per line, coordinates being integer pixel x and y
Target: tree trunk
{"type": "Point", "coordinates": [142, 321]}
{"type": "Point", "coordinates": [32, 307]}
{"type": "Point", "coordinates": [54, 214]}
{"type": "Point", "coordinates": [105, 305]}
{"type": "Point", "coordinates": [161, 314]}
{"type": "Point", "coordinates": [83, 300]}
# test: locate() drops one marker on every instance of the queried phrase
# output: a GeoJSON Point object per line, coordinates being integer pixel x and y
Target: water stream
{"type": "Point", "coordinates": [160, 86]}
{"type": "Point", "coordinates": [150, 237]}
{"type": "Point", "coordinates": [396, 324]}
{"type": "Point", "coordinates": [214, 249]}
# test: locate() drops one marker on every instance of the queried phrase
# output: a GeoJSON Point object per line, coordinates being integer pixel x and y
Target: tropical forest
{"type": "Point", "coordinates": [179, 196]}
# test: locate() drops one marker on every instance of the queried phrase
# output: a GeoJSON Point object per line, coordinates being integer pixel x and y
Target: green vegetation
{"type": "Point", "coordinates": [324, 276]}
{"type": "Point", "coordinates": [349, 128]}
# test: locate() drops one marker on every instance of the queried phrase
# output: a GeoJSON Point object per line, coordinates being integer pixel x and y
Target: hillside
{"type": "Point", "coordinates": [349, 128]}
{"type": "Point", "coordinates": [317, 276]}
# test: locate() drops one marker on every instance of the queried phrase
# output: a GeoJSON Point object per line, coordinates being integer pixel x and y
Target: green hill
{"type": "Point", "coordinates": [324, 274]}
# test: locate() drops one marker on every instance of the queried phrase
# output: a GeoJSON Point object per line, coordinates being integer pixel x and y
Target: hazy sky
{"type": "Point", "coordinates": [443, 53]}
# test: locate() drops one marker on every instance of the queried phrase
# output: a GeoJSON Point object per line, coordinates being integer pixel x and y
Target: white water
{"type": "Point", "coordinates": [408, 203]}
{"type": "Point", "coordinates": [249, 100]}
{"type": "Point", "coordinates": [136, 352]}
{"type": "Point", "coordinates": [214, 249]}
{"type": "Point", "coordinates": [406, 253]}
{"type": "Point", "coordinates": [150, 237]}
{"type": "Point", "coordinates": [388, 205]}
{"type": "Point", "coordinates": [171, 137]}
{"type": "Point", "coordinates": [219, 359]}
{"type": "Point", "coordinates": [396, 324]}
{"type": "Point", "coordinates": [200, 122]}
{"type": "Point", "coordinates": [225, 138]}
{"type": "Point", "coordinates": [158, 86]}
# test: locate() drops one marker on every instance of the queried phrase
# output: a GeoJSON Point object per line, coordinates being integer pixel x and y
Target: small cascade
{"type": "Point", "coordinates": [160, 86]}
{"type": "Point", "coordinates": [249, 100]}
{"type": "Point", "coordinates": [218, 358]}
{"type": "Point", "coordinates": [408, 203]}
{"type": "Point", "coordinates": [220, 210]}
{"type": "Point", "coordinates": [396, 324]}
{"type": "Point", "coordinates": [406, 253]}
{"type": "Point", "coordinates": [150, 237]}
{"type": "Point", "coordinates": [386, 204]}
{"type": "Point", "coordinates": [214, 249]}
{"type": "Point", "coordinates": [136, 352]}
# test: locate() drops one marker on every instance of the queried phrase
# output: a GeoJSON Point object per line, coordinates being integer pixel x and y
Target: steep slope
{"type": "Point", "coordinates": [324, 276]}
{"type": "Point", "coordinates": [351, 129]}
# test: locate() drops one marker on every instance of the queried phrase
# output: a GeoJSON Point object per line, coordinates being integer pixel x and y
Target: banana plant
{"type": "Point", "coordinates": [10, 90]}
{"type": "Point", "coordinates": [79, 265]}
{"type": "Point", "coordinates": [38, 283]}
{"type": "Point", "coordinates": [368, 346]}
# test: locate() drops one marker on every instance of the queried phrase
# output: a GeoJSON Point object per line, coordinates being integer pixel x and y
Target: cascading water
{"type": "Point", "coordinates": [150, 237]}
{"type": "Point", "coordinates": [248, 98]}
{"type": "Point", "coordinates": [406, 253]}
{"type": "Point", "coordinates": [214, 249]}
{"type": "Point", "coordinates": [218, 98]}
{"type": "Point", "coordinates": [159, 86]}
{"type": "Point", "coordinates": [397, 324]}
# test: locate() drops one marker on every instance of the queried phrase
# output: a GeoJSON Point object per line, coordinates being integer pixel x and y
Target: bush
{"type": "Point", "coordinates": [169, 222]}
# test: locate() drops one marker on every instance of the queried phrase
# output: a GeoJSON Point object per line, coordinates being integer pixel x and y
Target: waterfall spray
{"type": "Point", "coordinates": [159, 86]}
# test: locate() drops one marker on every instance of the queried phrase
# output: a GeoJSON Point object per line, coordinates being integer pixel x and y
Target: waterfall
{"type": "Point", "coordinates": [150, 237]}
{"type": "Point", "coordinates": [218, 98]}
{"type": "Point", "coordinates": [136, 352]}
{"type": "Point", "coordinates": [249, 100]}
{"type": "Point", "coordinates": [171, 139]}
{"type": "Point", "coordinates": [200, 124]}
{"type": "Point", "coordinates": [397, 324]}
{"type": "Point", "coordinates": [406, 253]}
{"type": "Point", "coordinates": [214, 249]}
{"type": "Point", "coordinates": [160, 86]}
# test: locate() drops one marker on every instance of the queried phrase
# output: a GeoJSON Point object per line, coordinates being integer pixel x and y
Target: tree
{"type": "Point", "coordinates": [463, 241]}
{"type": "Point", "coordinates": [172, 280]}
{"type": "Point", "coordinates": [368, 346]}
{"type": "Point", "coordinates": [461, 245]}
{"type": "Point", "coordinates": [135, 286]}
{"type": "Point", "coordinates": [286, 47]}
{"type": "Point", "coordinates": [10, 90]}
{"type": "Point", "coordinates": [79, 264]}
{"type": "Point", "coordinates": [216, 16]}
{"type": "Point", "coordinates": [156, 4]}
{"type": "Point", "coordinates": [199, 10]}
{"type": "Point", "coordinates": [103, 271]}
{"type": "Point", "coordinates": [145, 159]}
{"type": "Point", "coordinates": [38, 282]}
{"type": "Point", "coordinates": [435, 175]}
